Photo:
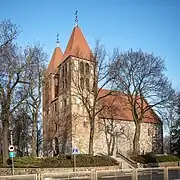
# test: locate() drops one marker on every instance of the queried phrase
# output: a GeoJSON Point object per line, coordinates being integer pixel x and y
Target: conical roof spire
{"type": "Point", "coordinates": [55, 60]}
{"type": "Point", "coordinates": [77, 46]}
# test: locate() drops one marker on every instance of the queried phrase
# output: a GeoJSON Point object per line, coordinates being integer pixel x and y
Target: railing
{"type": "Point", "coordinates": [170, 173]}
{"type": "Point", "coordinates": [20, 177]}
{"type": "Point", "coordinates": [132, 163]}
{"type": "Point", "coordinates": [89, 175]}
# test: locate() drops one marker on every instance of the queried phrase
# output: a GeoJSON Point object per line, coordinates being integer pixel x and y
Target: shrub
{"type": "Point", "coordinates": [167, 158]}
{"type": "Point", "coordinates": [64, 161]}
{"type": "Point", "coordinates": [150, 158]}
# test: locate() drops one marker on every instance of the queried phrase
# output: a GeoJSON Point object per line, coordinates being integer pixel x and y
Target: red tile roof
{"type": "Point", "coordinates": [55, 60]}
{"type": "Point", "coordinates": [118, 107]}
{"type": "Point", "coordinates": [77, 46]}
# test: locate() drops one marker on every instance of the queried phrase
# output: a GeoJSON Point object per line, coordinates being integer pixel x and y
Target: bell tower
{"type": "Point", "coordinates": [65, 121]}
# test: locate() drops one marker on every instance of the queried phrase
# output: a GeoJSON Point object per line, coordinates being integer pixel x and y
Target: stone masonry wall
{"type": "Point", "coordinates": [19, 171]}
{"type": "Point", "coordinates": [124, 133]}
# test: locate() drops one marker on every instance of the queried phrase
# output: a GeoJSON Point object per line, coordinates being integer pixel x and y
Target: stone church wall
{"type": "Point", "coordinates": [123, 132]}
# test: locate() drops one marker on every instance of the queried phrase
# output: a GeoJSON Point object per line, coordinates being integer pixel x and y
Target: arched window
{"type": "Point", "coordinates": [82, 83]}
{"type": "Point", "coordinates": [65, 65]}
{"type": "Point", "coordinates": [81, 67]}
{"type": "Point", "coordinates": [87, 84]}
{"type": "Point", "coordinates": [65, 83]}
{"type": "Point", "coordinates": [87, 68]}
{"type": "Point", "coordinates": [56, 106]}
{"type": "Point", "coordinates": [63, 71]}
{"type": "Point", "coordinates": [56, 126]}
{"type": "Point", "coordinates": [56, 86]}
{"type": "Point", "coordinates": [65, 103]}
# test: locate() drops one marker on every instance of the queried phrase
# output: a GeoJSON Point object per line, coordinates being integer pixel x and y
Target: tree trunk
{"type": "Point", "coordinates": [34, 135]}
{"type": "Point", "coordinates": [91, 137]}
{"type": "Point", "coordinates": [113, 144]}
{"type": "Point", "coordinates": [136, 145]}
{"type": "Point", "coordinates": [5, 141]}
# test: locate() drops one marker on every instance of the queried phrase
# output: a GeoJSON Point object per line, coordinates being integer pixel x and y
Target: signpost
{"type": "Point", "coordinates": [11, 152]}
{"type": "Point", "coordinates": [74, 152]}
{"type": "Point", "coordinates": [11, 148]}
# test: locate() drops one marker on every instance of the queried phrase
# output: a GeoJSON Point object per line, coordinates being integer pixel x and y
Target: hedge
{"type": "Point", "coordinates": [150, 158]}
{"type": "Point", "coordinates": [63, 161]}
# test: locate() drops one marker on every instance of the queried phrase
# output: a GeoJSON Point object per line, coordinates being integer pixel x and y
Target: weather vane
{"type": "Point", "coordinates": [76, 17]}
{"type": "Point", "coordinates": [57, 41]}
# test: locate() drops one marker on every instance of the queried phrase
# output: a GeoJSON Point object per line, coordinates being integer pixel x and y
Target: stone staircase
{"type": "Point", "coordinates": [126, 162]}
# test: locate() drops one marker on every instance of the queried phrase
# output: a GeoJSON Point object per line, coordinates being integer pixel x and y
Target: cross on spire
{"type": "Point", "coordinates": [57, 41]}
{"type": "Point", "coordinates": [76, 18]}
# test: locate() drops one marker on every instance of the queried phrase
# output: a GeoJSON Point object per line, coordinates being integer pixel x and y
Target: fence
{"type": "Point", "coordinates": [20, 177]}
{"type": "Point", "coordinates": [170, 173]}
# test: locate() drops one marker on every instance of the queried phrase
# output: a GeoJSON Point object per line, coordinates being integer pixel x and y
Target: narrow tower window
{"type": "Point", "coordinates": [87, 84]}
{"type": "Point", "coordinates": [65, 83]}
{"type": "Point", "coordinates": [63, 71]}
{"type": "Point", "coordinates": [65, 103]}
{"type": "Point", "coordinates": [65, 68]}
{"type": "Point", "coordinates": [87, 68]}
{"type": "Point", "coordinates": [56, 86]}
{"type": "Point", "coordinates": [82, 83]}
{"type": "Point", "coordinates": [81, 67]}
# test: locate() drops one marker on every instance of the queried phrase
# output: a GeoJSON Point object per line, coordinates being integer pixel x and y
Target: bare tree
{"type": "Point", "coordinates": [109, 125]}
{"type": "Point", "coordinates": [21, 122]}
{"type": "Point", "coordinates": [88, 80]}
{"type": "Point", "coordinates": [140, 78]}
{"type": "Point", "coordinates": [36, 59]}
{"type": "Point", "coordinates": [13, 76]}
{"type": "Point", "coordinates": [169, 116]}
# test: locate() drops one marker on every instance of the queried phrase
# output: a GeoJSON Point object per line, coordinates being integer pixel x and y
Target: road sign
{"type": "Point", "coordinates": [11, 154]}
{"type": "Point", "coordinates": [11, 148]}
{"type": "Point", "coordinates": [75, 150]}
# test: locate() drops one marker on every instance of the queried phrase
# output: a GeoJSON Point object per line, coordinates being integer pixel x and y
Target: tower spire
{"type": "Point", "coordinates": [57, 41]}
{"type": "Point", "coordinates": [76, 18]}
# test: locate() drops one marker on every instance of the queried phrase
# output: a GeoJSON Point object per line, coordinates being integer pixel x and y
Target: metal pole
{"type": "Point", "coordinates": [74, 169]}
{"type": "Point", "coordinates": [11, 136]}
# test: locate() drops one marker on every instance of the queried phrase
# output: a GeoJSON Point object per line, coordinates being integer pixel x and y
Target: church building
{"type": "Point", "coordinates": [65, 119]}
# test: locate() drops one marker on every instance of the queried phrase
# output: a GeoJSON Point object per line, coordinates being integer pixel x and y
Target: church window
{"type": "Point", "coordinates": [87, 68]}
{"type": "Point", "coordinates": [87, 84]}
{"type": "Point", "coordinates": [56, 86]}
{"type": "Point", "coordinates": [65, 68]}
{"type": "Point", "coordinates": [65, 83]}
{"type": "Point", "coordinates": [82, 83]}
{"type": "Point", "coordinates": [56, 106]}
{"type": "Point", "coordinates": [63, 71]}
{"type": "Point", "coordinates": [149, 132]}
{"type": "Point", "coordinates": [56, 126]}
{"type": "Point", "coordinates": [81, 67]}
{"type": "Point", "coordinates": [65, 103]}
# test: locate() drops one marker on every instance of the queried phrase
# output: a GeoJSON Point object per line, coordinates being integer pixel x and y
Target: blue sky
{"type": "Point", "coordinates": [152, 25]}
